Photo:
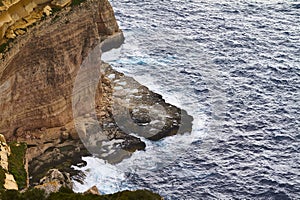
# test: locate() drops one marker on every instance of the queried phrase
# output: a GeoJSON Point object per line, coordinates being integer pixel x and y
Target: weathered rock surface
{"type": "Point", "coordinates": [4, 153]}
{"type": "Point", "coordinates": [132, 112]}
{"type": "Point", "coordinates": [17, 16]}
{"type": "Point", "coordinates": [37, 75]}
{"type": "Point", "coordinates": [54, 180]}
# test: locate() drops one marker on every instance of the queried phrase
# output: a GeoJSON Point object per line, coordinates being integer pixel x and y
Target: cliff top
{"type": "Point", "coordinates": [17, 16]}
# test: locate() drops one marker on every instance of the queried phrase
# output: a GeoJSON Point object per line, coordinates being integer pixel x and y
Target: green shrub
{"type": "Point", "coordinates": [66, 194]}
{"type": "Point", "coordinates": [132, 195]}
{"type": "Point", "coordinates": [2, 178]}
{"type": "Point", "coordinates": [10, 195]}
{"type": "Point", "coordinates": [76, 2]}
{"type": "Point", "coordinates": [33, 194]}
{"type": "Point", "coordinates": [16, 163]}
{"type": "Point", "coordinates": [55, 9]}
{"type": "Point", "coordinates": [3, 47]}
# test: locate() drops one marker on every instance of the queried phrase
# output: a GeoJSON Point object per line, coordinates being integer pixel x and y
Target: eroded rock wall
{"type": "Point", "coordinates": [37, 76]}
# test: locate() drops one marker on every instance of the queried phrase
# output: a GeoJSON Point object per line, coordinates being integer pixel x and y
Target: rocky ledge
{"type": "Point", "coordinates": [58, 97]}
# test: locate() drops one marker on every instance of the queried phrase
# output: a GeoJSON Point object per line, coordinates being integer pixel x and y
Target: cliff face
{"type": "Point", "coordinates": [16, 16]}
{"type": "Point", "coordinates": [37, 76]}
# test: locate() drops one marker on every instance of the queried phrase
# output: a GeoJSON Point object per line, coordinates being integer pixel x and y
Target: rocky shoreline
{"type": "Point", "coordinates": [58, 123]}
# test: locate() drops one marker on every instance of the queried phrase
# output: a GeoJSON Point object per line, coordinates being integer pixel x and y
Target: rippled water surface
{"type": "Point", "coordinates": [233, 65]}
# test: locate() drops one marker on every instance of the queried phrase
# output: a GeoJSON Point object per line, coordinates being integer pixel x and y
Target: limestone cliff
{"type": "Point", "coordinates": [17, 15]}
{"type": "Point", "coordinates": [37, 75]}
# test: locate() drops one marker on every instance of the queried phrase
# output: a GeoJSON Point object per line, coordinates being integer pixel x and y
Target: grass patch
{"type": "Point", "coordinates": [4, 47]}
{"type": "Point", "coordinates": [76, 2]}
{"type": "Point", "coordinates": [16, 163]}
{"type": "Point", "coordinates": [55, 9]}
{"type": "Point", "coordinates": [2, 178]}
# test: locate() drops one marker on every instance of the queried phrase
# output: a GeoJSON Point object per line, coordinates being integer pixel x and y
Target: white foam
{"type": "Point", "coordinates": [106, 177]}
{"type": "Point", "coordinates": [111, 178]}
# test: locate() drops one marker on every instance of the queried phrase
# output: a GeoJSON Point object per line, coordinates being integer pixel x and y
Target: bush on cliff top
{"type": "Point", "coordinates": [36, 194]}
{"type": "Point", "coordinates": [2, 178]}
{"type": "Point", "coordinates": [16, 163]}
{"type": "Point", "coordinates": [76, 2]}
{"type": "Point", "coordinates": [33, 194]}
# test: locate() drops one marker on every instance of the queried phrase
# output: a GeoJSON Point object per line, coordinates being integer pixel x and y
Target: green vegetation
{"type": "Point", "coordinates": [33, 194]}
{"type": "Point", "coordinates": [55, 9]}
{"type": "Point", "coordinates": [133, 195]}
{"type": "Point", "coordinates": [76, 2]}
{"type": "Point", "coordinates": [16, 163]}
{"type": "Point", "coordinates": [3, 47]}
{"type": "Point", "coordinates": [67, 194]}
{"type": "Point", "coordinates": [2, 178]}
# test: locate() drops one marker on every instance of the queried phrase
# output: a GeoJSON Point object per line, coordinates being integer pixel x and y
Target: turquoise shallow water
{"type": "Point", "coordinates": [234, 66]}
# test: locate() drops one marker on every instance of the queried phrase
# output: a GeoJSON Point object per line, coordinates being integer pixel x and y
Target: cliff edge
{"type": "Point", "coordinates": [38, 74]}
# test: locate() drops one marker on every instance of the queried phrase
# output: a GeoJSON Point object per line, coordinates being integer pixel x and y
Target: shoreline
{"type": "Point", "coordinates": [43, 117]}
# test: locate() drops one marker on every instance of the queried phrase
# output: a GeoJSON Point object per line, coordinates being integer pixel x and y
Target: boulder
{"type": "Point", "coordinates": [10, 183]}
{"type": "Point", "coordinates": [54, 180]}
{"type": "Point", "coordinates": [92, 190]}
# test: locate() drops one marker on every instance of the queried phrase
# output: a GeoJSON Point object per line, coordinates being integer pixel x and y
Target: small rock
{"type": "Point", "coordinates": [65, 135]}
{"type": "Point", "coordinates": [54, 180]}
{"type": "Point", "coordinates": [73, 134]}
{"type": "Point", "coordinates": [20, 131]}
{"type": "Point", "coordinates": [63, 128]}
{"type": "Point", "coordinates": [2, 139]}
{"type": "Point", "coordinates": [10, 183]}
{"type": "Point", "coordinates": [47, 10]}
{"type": "Point", "coordinates": [92, 190]}
{"type": "Point", "coordinates": [102, 113]}
{"type": "Point", "coordinates": [105, 80]}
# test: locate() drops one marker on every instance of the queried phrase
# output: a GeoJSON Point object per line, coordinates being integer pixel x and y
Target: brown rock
{"type": "Point", "coordinates": [54, 180]}
{"type": "Point", "coordinates": [92, 190]}
{"type": "Point", "coordinates": [37, 75]}
{"type": "Point", "coordinates": [20, 131]}
{"type": "Point", "coordinates": [73, 134]}
{"type": "Point", "coordinates": [65, 135]}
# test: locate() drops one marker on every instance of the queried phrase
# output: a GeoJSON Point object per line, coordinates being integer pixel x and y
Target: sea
{"type": "Point", "coordinates": [234, 65]}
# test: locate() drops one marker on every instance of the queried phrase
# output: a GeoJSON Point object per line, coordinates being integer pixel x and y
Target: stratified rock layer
{"type": "Point", "coordinates": [37, 76]}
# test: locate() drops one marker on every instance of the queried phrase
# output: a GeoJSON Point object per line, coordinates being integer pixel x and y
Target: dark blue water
{"type": "Point", "coordinates": [233, 65]}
